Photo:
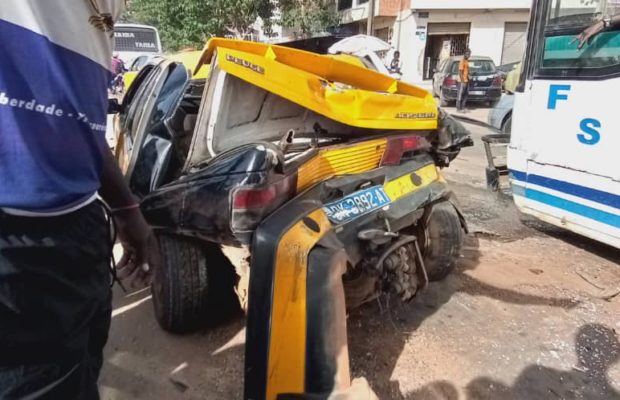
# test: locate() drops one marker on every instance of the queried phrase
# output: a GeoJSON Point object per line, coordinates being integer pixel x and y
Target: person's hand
{"type": "Point", "coordinates": [359, 390]}
{"type": "Point", "coordinates": [140, 249]}
{"type": "Point", "coordinates": [585, 36]}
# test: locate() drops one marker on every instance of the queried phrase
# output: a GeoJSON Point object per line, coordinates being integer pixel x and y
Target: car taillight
{"type": "Point", "coordinates": [449, 81]}
{"type": "Point", "coordinates": [251, 204]}
{"type": "Point", "coordinates": [497, 81]}
{"type": "Point", "coordinates": [397, 147]}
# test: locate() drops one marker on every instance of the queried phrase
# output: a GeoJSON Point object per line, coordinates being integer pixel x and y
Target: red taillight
{"type": "Point", "coordinates": [251, 198]}
{"type": "Point", "coordinates": [250, 205]}
{"type": "Point", "coordinates": [245, 199]}
{"type": "Point", "coordinates": [397, 147]}
{"type": "Point", "coordinates": [449, 81]}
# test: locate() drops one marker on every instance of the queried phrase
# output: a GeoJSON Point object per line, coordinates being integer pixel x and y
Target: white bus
{"type": "Point", "coordinates": [132, 41]}
{"type": "Point", "coordinates": [564, 152]}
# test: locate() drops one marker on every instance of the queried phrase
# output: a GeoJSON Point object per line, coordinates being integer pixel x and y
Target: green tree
{"type": "Point", "coordinates": [189, 23]}
{"type": "Point", "coordinates": [310, 16]}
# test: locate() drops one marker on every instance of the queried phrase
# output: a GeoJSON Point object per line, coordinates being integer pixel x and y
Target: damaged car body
{"type": "Point", "coordinates": [298, 186]}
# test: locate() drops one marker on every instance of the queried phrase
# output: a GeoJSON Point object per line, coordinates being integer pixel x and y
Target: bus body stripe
{"type": "Point", "coordinates": [584, 192]}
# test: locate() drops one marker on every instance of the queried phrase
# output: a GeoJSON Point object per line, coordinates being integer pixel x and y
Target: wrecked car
{"type": "Point", "coordinates": [293, 185]}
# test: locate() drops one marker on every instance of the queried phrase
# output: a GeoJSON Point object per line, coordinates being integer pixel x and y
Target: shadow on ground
{"type": "Point", "coordinates": [600, 249]}
{"type": "Point", "coordinates": [597, 349]}
{"type": "Point", "coordinates": [141, 358]}
{"type": "Point", "coordinates": [396, 322]}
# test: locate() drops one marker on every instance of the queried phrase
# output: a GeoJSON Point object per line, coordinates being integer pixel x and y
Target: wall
{"type": "Point", "coordinates": [385, 8]}
{"type": "Point", "coordinates": [393, 7]}
{"type": "Point", "coordinates": [471, 4]}
{"type": "Point", "coordinates": [486, 34]}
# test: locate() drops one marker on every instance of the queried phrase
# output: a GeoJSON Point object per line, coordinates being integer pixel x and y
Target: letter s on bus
{"type": "Point", "coordinates": [590, 133]}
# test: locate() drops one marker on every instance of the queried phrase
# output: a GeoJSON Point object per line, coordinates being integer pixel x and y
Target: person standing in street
{"type": "Point", "coordinates": [56, 171]}
{"type": "Point", "coordinates": [461, 101]}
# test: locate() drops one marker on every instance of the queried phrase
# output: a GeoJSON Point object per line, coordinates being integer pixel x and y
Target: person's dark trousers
{"type": "Point", "coordinates": [461, 101]}
{"type": "Point", "coordinates": [55, 304]}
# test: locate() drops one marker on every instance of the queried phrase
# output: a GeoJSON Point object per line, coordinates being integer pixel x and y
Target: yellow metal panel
{"type": "Point", "coordinates": [339, 90]}
{"type": "Point", "coordinates": [353, 159]}
{"type": "Point", "coordinates": [405, 185]}
{"type": "Point", "coordinates": [348, 59]}
{"type": "Point", "coordinates": [287, 345]}
{"type": "Point", "coordinates": [190, 60]}
{"type": "Point", "coordinates": [128, 78]}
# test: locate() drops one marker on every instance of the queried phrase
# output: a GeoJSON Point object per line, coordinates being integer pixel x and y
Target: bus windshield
{"type": "Point", "coordinates": [564, 21]}
{"type": "Point", "coordinates": [136, 38]}
{"type": "Point", "coordinates": [572, 13]}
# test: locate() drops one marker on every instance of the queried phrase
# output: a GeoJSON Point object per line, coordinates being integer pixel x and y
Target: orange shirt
{"type": "Point", "coordinates": [464, 70]}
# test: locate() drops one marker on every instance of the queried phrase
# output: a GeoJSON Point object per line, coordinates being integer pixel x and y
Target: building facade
{"type": "Point", "coordinates": [426, 31]}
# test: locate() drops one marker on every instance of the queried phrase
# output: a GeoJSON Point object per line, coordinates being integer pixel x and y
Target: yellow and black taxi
{"type": "Point", "coordinates": [295, 185]}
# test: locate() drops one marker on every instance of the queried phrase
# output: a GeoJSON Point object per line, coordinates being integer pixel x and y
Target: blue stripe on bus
{"type": "Point", "coordinates": [598, 196]}
{"type": "Point", "coordinates": [567, 205]}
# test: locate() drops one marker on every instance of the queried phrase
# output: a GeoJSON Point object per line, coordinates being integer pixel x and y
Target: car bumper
{"type": "Point", "coordinates": [475, 94]}
{"type": "Point", "coordinates": [498, 114]}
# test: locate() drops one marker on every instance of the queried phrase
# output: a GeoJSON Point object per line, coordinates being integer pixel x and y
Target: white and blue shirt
{"type": "Point", "coordinates": [55, 60]}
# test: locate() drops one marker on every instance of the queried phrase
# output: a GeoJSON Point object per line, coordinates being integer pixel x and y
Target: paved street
{"type": "Point", "coordinates": [529, 314]}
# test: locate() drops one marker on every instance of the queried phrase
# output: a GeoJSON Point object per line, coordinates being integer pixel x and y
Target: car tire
{"type": "Point", "coordinates": [442, 101]}
{"type": "Point", "coordinates": [194, 286]}
{"type": "Point", "coordinates": [507, 125]}
{"type": "Point", "coordinates": [442, 241]}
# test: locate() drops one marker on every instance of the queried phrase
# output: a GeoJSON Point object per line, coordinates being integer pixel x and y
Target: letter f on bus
{"type": "Point", "coordinates": [555, 95]}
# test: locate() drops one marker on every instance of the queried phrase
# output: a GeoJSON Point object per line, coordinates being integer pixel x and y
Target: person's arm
{"type": "Point", "coordinates": [140, 250]}
{"type": "Point", "coordinates": [461, 70]}
{"type": "Point", "coordinates": [596, 28]}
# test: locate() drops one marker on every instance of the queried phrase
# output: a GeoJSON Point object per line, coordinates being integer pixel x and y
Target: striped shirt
{"type": "Point", "coordinates": [54, 73]}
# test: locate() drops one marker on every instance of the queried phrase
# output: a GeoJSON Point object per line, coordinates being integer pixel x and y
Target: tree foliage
{"type": "Point", "coordinates": [189, 23]}
{"type": "Point", "coordinates": [309, 16]}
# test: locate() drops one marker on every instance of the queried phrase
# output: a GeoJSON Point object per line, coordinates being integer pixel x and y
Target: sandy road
{"type": "Point", "coordinates": [522, 318]}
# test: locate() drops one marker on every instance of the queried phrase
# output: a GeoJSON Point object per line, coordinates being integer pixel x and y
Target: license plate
{"type": "Point", "coordinates": [357, 204]}
{"type": "Point", "coordinates": [477, 92]}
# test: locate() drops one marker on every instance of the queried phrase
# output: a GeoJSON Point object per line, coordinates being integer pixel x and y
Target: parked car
{"type": "Point", "coordinates": [485, 84]}
{"type": "Point", "coordinates": [139, 62]}
{"type": "Point", "coordinates": [500, 117]}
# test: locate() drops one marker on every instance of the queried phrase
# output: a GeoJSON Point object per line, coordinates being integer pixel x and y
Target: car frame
{"type": "Point", "coordinates": [321, 174]}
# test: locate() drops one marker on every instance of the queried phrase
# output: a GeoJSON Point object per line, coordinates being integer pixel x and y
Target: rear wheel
{"type": "Point", "coordinates": [507, 125]}
{"type": "Point", "coordinates": [442, 100]}
{"type": "Point", "coordinates": [194, 286]}
{"type": "Point", "coordinates": [443, 239]}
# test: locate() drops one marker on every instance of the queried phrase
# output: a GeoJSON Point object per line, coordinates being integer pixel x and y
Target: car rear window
{"type": "Point", "coordinates": [476, 67]}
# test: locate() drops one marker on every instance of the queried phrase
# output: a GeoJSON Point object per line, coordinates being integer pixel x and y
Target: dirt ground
{"type": "Point", "coordinates": [530, 313]}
